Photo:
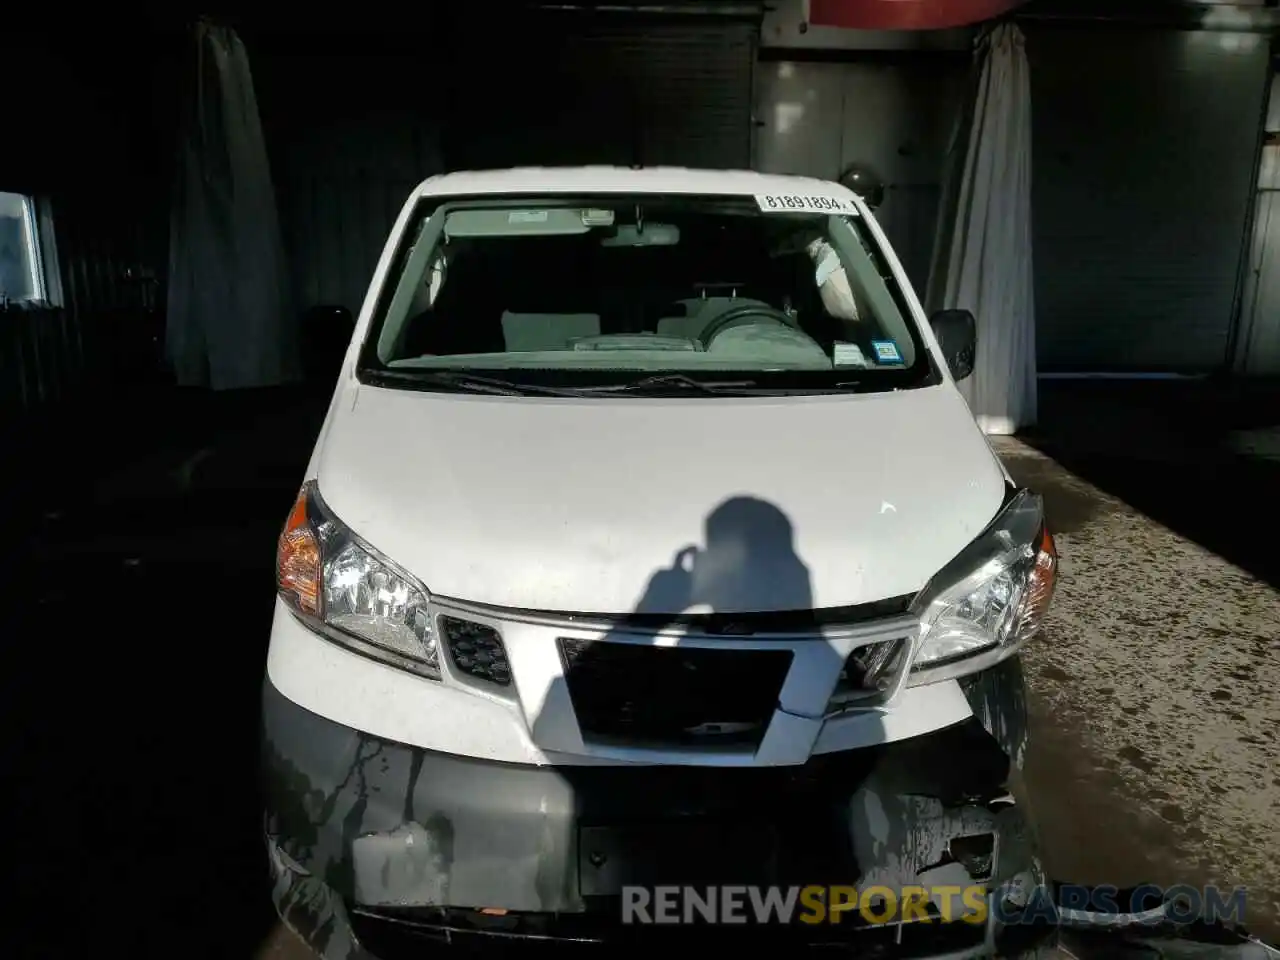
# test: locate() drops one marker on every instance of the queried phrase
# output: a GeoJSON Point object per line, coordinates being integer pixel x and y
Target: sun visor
{"type": "Point", "coordinates": [525, 222]}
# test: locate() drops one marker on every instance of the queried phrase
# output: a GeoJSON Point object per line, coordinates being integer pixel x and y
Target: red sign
{"type": "Point", "coordinates": [904, 14]}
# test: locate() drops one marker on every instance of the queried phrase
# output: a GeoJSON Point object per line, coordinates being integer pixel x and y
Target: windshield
{"type": "Point", "coordinates": [643, 292]}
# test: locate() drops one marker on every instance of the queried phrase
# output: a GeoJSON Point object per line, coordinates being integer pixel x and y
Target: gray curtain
{"type": "Point", "coordinates": [230, 319]}
{"type": "Point", "coordinates": [982, 258]}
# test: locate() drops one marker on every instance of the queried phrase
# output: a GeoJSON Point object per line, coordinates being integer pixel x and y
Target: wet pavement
{"type": "Point", "coordinates": [1155, 693]}
{"type": "Point", "coordinates": [1155, 698]}
{"type": "Point", "coordinates": [141, 597]}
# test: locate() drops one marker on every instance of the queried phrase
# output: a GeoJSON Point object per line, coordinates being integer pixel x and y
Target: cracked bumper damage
{"type": "Point", "coordinates": [379, 849]}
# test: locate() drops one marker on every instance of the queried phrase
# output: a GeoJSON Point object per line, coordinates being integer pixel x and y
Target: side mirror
{"type": "Point", "coordinates": [326, 333]}
{"type": "Point", "coordinates": [957, 334]}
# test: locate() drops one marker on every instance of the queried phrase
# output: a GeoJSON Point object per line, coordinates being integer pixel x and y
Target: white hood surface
{"type": "Point", "coordinates": [583, 505]}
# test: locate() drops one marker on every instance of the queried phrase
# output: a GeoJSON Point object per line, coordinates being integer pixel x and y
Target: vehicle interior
{"type": "Point", "coordinates": [732, 286]}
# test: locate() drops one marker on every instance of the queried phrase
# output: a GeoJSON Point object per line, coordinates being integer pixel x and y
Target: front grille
{"type": "Point", "coordinates": [672, 696]}
{"type": "Point", "coordinates": [476, 650]}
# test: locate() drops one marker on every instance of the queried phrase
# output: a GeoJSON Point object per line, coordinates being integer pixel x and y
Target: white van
{"type": "Point", "coordinates": [647, 541]}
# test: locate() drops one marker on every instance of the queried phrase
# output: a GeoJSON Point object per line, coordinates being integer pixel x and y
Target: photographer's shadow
{"type": "Point", "coordinates": [748, 564]}
{"type": "Point", "coordinates": [629, 700]}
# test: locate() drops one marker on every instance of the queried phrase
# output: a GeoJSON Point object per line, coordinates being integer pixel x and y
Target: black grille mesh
{"type": "Point", "coordinates": [476, 650]}
{"type": "Point", "coordinates": [673, 695]}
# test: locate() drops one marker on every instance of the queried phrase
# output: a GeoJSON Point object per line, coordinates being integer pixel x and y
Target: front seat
{"type": "Point", "coordinates": [699, 312]}
{"type": "Point", "coordinates": [530, 332]}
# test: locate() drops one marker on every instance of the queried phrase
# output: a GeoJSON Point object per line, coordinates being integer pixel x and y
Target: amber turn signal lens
{"type": "Point", "coordinates": [298, 560]}
{"type": "Point", "coordinates": [1044, 577]}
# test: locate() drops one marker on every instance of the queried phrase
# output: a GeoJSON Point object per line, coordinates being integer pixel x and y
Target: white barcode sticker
{"type": "Point", "coordinates": [805, 203]}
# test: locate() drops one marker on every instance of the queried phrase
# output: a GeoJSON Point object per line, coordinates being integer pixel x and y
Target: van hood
{"type": "Point", "coordinates": [707, 504]}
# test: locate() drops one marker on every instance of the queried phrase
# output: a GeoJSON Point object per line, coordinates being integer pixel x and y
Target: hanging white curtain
{"type": "Point", "coordinates": [229, 322]}
{"type": "Point", "coordinates": [982, 258]}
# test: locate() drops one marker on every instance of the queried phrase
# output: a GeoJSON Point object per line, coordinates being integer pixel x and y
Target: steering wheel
{"type": "Point", "coordinates": [734, 315]}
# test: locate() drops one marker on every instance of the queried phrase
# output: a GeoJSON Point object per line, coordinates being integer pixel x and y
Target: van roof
{"type": "Point", "coordinates": [604, 179]}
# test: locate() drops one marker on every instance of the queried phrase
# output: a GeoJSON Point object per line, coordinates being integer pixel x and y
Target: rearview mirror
{"type": "Point", "coordinates": [957, 334]}
{"type": "Point", "coordinates": [650, 235]}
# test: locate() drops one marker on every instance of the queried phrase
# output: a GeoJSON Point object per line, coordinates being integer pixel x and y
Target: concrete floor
{"type": "Point", "coordinates": [142, 596]}
{"type": "Point", "coordinates": [1155, 704]}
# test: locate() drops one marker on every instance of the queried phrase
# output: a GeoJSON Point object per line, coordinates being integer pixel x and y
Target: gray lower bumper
{"type": "Point", "coordinates": [370, 837]}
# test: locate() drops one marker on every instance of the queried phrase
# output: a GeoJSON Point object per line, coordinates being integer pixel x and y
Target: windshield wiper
{"type": "Point", "coordinates": [473, 383]}
{"type": "Point", "coordinates": [727, 387]}
{"type": "Point", "coordinates": [657, 383]}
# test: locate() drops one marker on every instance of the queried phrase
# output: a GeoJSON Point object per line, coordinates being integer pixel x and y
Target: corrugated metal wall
{"type": "Point", "coordinates": [107, 329]}
{"type": "Point", "coordinates": [96, 162]}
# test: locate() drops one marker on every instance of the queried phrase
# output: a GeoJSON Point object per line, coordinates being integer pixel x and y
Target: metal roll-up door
{"type": "Point", "coordinates": [617, 89]}
{"type": "Point", "coordinates": [1145, 151]}
{"type": "Point", "coordinates": [687, 87]}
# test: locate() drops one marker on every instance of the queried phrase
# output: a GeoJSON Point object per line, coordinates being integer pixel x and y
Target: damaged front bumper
{"type": "Point", "coordinates": [378, 849]}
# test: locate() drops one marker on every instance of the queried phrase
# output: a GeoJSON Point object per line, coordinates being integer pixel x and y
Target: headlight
{"type": "Point", "coordinates": [991, 599]}
{"type": "Point", "coordinates": [346, 590]}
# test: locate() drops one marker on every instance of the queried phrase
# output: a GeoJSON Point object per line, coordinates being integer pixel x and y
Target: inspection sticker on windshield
{"type": "Point", "coordinates": [886, 351]}
{"type": "Point", "coordinates": [804, 203]}
{"type": "Point", "coordinates": [849, 355]}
